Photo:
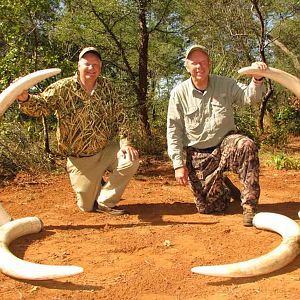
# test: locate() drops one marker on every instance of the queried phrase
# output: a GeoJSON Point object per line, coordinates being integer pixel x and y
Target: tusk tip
{"type": "Point", "coordinates": [197, 270]}
{"type": "Point", "coordinates": [208, 270]}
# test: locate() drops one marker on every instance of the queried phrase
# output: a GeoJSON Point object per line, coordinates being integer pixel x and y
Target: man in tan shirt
{"type": "Point", "coordinates": [91, 133]}
{"type": "Point", "coordinates": [200, 127]}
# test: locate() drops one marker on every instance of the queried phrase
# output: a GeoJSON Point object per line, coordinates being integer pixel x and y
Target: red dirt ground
{"type": "Point", "coordinates": [149, 253]}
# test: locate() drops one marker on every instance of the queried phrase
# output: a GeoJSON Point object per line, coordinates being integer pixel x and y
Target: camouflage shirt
{"type": "Point", "coordinates": [85, 123]}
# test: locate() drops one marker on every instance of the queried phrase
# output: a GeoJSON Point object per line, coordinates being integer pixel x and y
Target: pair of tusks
{"type": "Point", "coordinates": [281, 256]}
{"type": "Point", "coordinates": [11, 230]}
{"type": "Point", "coordinates": [286, 227]}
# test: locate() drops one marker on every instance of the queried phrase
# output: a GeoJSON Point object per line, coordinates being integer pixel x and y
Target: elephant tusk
{"type": "Point", "coordinates": [9, 95]}
{"type": "Point", "coordinates": [289, 81]}
{"type": "Point", "coordinates": [10, 230]}
{"type": "Point", "coordinates": [18, 268]}
{"type": "Point", "coordinates": [282, 255]}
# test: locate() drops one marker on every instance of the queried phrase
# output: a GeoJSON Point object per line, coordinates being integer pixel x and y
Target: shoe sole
{"type": "Point", "coordinates": [111, 213]}
{"type": "Point", "coordinates": [248, 224]}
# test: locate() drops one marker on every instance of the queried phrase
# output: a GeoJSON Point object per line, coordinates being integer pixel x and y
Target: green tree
{"type": "Point", "coordinates": [25, 45]}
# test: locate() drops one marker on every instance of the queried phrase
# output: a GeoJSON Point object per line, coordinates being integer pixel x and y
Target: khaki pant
{"type": "Point", "coordinates": [86, 174]}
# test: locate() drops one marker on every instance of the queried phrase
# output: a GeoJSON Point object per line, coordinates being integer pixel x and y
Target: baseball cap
{"type": "Point", "coordinates": [89, 49]}
{"type": "Point", "coordinates": [194, 48]}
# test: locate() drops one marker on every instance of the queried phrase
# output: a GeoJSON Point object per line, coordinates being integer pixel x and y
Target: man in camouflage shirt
{"type": "Point", "coordinates": [201, 130]}
{"type": "Point", "coordinates": [91, 132]}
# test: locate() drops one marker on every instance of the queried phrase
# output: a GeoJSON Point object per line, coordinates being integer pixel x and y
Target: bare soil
{"type": "Point", "coordinates": [147, 254]}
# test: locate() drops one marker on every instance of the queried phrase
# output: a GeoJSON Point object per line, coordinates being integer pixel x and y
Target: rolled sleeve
{"type": "Point", "coordinates": [248, 94]}
{"type": "Point", "coordinates": [175, 132]}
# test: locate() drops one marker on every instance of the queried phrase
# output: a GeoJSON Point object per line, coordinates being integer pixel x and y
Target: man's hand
{"type": "Point", "coordinates": [23, 97]}
{"type": "Point", "coordinates": [181, 175]}
{"type": "Point", "coordinates": [130, 152]}
{"type": "Point", "coordinates": [260, 65]}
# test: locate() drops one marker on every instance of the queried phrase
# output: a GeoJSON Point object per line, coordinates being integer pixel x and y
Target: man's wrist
{"type": "Point", "coordinates": [258, 79]}
{"type": "Point", "coordinates": [23, 101]}
{"type": "Point", "coordinates": [178, 168]}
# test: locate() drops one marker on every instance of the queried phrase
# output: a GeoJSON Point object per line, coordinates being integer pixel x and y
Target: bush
{"type": "Point", "coordinates": [20, 149]}
{"type": "Point", "coordinates": [283, 162]}
{"type": "Point", "coordinates": [245, 120]}
{"type": "Point", "coordinates": [289, 119]}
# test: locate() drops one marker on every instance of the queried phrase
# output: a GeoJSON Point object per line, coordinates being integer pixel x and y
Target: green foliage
{"type": "Point", "coordinates": [284, 121]}
{"type": "Point", "coordinates": [156, 144]}
{"type": "Point", "coordinates": [276, 137]}
{"type": "Point", "coordinates": [288, 118]}
{"type": "Point", "coordinates": [21, 148]}
{"type": "Point", "coordinates": [245, 120]}
{"type": "Point", "coordinates": [25, 38]}
{"type": "Point", "coordinates": [282, 162]}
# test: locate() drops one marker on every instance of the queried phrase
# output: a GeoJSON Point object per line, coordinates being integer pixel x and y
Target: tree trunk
{"type": "Point", "coordinates": [143, 68]}
{"type": "Point", "coordinates": [262, 39]}
{"type": "Point", "coordinates": [46, 136]}
{"type": "Point", "coordinates": [284, 48]}
{"type": "Point", "coordinates": [263, 107]}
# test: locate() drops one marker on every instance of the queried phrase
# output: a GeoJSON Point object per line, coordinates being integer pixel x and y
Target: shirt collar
{"type": "Point", "coordinates": [197, 90]}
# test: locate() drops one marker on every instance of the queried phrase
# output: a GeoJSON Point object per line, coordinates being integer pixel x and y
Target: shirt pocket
{"type": "Point", "coordinates": [192, 118]}
{"type": "Point", "coordinates": [220, 112]}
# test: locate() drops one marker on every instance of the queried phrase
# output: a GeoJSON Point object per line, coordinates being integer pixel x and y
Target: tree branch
{"type": "Point", "coordinates": [280, 45]}
{"type": "Point", "coordinates": [117, 42]}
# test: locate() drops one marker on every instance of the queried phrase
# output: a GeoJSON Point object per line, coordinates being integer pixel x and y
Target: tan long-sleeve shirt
{"type": "Point", "coordinates": [203, 119]}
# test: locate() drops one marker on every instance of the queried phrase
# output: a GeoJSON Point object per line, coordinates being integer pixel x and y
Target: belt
{"type": "Point", "coordinates": [208, 150]}
{"type": "Point", "coordinates": [81, 155]}
{"type": "Point", "coordinates": [211, 149]}
{"type": "Point", "coordinates": [205, 150]}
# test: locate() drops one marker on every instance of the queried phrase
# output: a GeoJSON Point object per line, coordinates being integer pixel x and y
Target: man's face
{"type": "Point", "coordinates": [197, 64]}
{"type": "Point", "coordinates": [89, 66]}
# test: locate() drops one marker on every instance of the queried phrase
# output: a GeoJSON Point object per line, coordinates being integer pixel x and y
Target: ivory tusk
{"type": "Point", "coordinates": [282, 255]}
{"type": "Point", "coordinates": [18, 268]}
{"type": "Point", "coordinates": [10, 230]}
{"type": "Point", "coordinates": [289, 81]}
{"type": "Point", "coordinates": [9, 95]}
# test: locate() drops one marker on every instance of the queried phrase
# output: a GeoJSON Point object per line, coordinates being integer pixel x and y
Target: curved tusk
{"type": "Point", "coordinates": [10, 264]}
{"type": "Point", "coordinates": [18, 268]}
{"type": "Point", "coordinates": [288, 249]}
{"type": "Point", "coordinates": [9, 95]}
{"type": "Point", "coordinates": [289, 81]}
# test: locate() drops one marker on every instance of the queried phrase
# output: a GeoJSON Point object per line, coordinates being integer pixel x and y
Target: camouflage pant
{"type": "Point", "coordinates": [236, 153]}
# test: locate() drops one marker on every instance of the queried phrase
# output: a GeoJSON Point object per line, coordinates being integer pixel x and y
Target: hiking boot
{"type": "Point", "coordinates": [248, 215]}
{"type": "Point", "coordinates": [110, 210]}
